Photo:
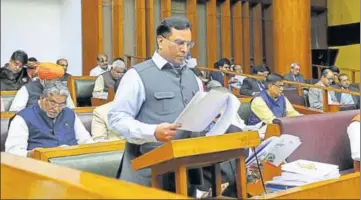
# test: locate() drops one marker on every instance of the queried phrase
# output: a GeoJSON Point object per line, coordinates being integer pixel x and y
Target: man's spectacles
{"type": "Point", "coordinates": [57, 105]}
{"type": "Point", "coordinates": [279, 86]}
{"type": "Point", "coordinates": [63, 65]}
{"type": "Point", "coordinates": [190, 44]}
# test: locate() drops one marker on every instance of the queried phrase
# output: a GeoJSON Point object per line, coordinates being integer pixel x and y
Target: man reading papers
{"type": "Point", "coordinates": [151, 96]}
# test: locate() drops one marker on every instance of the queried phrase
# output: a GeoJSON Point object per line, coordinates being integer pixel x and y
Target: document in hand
{"type": "Point", "coordinates": [204, 108]}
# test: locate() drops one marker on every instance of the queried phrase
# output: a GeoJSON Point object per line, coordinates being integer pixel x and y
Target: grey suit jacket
{"type": "Point", "coordinates": [315, 97]}
{"type": "Point", "coordinates": [356, 99]}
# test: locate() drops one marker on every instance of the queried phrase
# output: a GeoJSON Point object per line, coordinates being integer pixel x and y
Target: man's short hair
{"type": "Point", "coordinates": [272, 79]}
{"type": "Point", "coordinates": [325, 72]}
{"type": "Point", "coordinates": [293, 65]}
{"type": "Point", "coordinates": [21, 56]}
{"type": "Point", "coordinates": [342, 75]}
{"type": "Point", "coordinates": [179, 23]}
{"type": "Point", "coordinates": [119, 63]}
{"type": "Point", "coordinates": [256, 69]}
{"type": "Point", "coordinates": [222, 62]}
{"type": "Point", "coordinates": [56, 87]}
{"type": "Point", "coordinates": [119, 58]}
{"type": "Point", "coordinates": [32, 59]}
{"type": "Point", "coordinates": [101, 56]}
{"type": "Point", "coordinates": [61, 59]}
{"type": "Point", "coordinates": [212, 85]}
{"type": "Point", "coordinates": [335, 69]}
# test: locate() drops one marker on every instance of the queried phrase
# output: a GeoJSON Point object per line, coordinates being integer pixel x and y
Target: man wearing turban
{"type": "Point", "coordinates": [30, 93]}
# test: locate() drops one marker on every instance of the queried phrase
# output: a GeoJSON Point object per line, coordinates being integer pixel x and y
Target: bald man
{"type": "Point", "coordinates": [30, 93]}
{"type": "Point", "coordinates": [102, 65]}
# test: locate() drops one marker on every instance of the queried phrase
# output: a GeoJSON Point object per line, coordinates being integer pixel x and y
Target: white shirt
{"type": "Point", "coordinates": [128, 100]}
{"type": "Point", "coordinates": [21, 99]}
{"type": "Point", "coordinates": [96, 71]}
{"type": "Point", "coordinates": [17, 140]}
{"type": "Point", "coordinates": [353, 131]}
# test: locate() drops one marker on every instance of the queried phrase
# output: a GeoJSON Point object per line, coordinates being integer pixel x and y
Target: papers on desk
{"type": "Point", "coordinates": [204, 108]}
{"type": "Point", "coordinates": [302, 172]}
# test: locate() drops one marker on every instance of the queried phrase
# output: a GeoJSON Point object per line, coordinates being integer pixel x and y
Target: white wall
{"type": "Point", "coordinates": [45, 29]}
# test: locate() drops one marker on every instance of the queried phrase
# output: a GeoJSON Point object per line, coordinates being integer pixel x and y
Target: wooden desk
{"type": "Point", "coordinates": [98, 102]}
{"type": "Point", "coordinates": [346, 187]}
{"type": "Point", "coordinates": [45, 154]}
{"type": "Point", "coordinates": [178, 155]}
{"type": "Point", "coordinates": [26, 178]}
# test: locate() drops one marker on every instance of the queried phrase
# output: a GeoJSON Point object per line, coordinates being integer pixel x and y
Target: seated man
{"type": "Point", "coordinates": [251, 86]}
{"type": "Point", "coordinates": [315, 96]}
{"type": "Point", "coordinates": [14, 75]}
{"type": "Point", "coordinates": [107, 79]}
{"type": "Point", "coordinates": [294, 74]}
{"type": "Point", "coordinates": [102, 61]}
{"type": "Point", "coordinates": [49, 123]}
{"type": "Point", "coordinates": [100, 127]}
{"type": "Point", "coordinates": [353, 131]}
{"type": "Point", "coordinates": [64, 63]}
{"type": "Point", "coordinates": [271, 103]}
{"type": "Point", "coordinates": [29, 94]}
{"type": "Point", "coordinates": [31, 67]}
{"type": "Point", "coordinates": [237, 80]}
{"type": "Point", "coordinates": [343, 98]}
{"type": "Point", "coordinates": [222, 64]}
{"type": "Point", "coordinates": [336, 71]}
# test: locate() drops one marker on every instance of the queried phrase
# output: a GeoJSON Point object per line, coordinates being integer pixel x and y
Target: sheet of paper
{"type": "Point", "coordinates": [202, 110]}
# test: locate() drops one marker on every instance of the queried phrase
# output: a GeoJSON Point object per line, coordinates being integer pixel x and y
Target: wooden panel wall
{"type": "Point", "coordinates": [237, 33]}
{"type": "Point", "coordinates": [192, 17]}
{"type": "Point", "coordinates": [117, 26]}
{"type": "Point", "coordinates": [246, 38]}
{"type": "Point", "coordinates": [92, 32]}
{"type": "Point", "coordinates": [211, 32]}
{"type": "Point", "coordinates": [257, 34]}
{"type": "Point", "coordinates": [166, 8]}
{"type": "Point", "coordinates": [268, 24]}
{"type": "Point", "coordinates": [150, 27]}
{"type": "Point", "coordinates": [140, 36]}
{"type": "Point", "coordinates": [226, 29]}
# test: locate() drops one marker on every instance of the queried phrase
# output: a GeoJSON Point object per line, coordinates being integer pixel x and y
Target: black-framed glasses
{"type": "Point", "coordinates": [190, 44]}
{"type": "Point", "coordinates": [279, 86]}
{"type": "Point", "coordinates": [64, 65]}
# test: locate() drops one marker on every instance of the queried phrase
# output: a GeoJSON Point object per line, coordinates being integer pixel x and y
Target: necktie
{"type": "Point", "coordinates": [296, 78]}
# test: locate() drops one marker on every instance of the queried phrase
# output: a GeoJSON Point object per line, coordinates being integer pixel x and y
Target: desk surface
{"type": "Point", "coordinates": [28, 178]}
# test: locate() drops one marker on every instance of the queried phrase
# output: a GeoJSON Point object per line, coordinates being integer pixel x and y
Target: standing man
{"type": "Point", "coordinates": [150, 97]}
{"type": "Point", "coordinates": [294, 74]}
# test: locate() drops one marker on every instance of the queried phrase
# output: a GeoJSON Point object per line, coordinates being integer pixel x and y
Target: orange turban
{"type": "Point", "coordinates": [49, 71]}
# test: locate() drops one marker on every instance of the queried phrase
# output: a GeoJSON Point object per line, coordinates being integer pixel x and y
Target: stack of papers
{"type": "Point", "coordinates": [302, 172]}
{"type": "Point", "coordinates": [274, 150]}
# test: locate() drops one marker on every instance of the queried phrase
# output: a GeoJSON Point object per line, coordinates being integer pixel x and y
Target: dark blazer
{"type": "Point", "coordinates": [217, 76]}
{"type": "Point", "coordinates": [289, 77]}
{"type": "Point", "coordinates": [356, 99]}
{"type": "Point", "coordinates": [11, 81]}
{"type": "Point", "coordinates": [249, 86]}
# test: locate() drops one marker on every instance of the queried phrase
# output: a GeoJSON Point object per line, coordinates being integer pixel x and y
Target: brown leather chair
{"type": "Point", "coordinates": [293, 97]}
{"type": "Point", "coordinates": [323, 136]}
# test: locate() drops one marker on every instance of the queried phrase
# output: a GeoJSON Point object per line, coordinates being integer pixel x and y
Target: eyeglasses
{"type": "Point", "coordinates": [279, 86]}
{"type": "Point", "coordinates": [63, 65]}
{"type": "Point", "coordinates": [190, 44]}
{"type": "Point", "coordinates": [57, 105]}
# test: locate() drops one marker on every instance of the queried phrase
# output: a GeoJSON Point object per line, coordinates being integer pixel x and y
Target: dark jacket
{"type": "Point", "coordinates": [249, 86]}
{"type": "Point", "coordinates": [217, 76]}
{"type": "Point", "coordinates": [11, 81]}
{"type": "Point", "coordinates": [290, 77]}
{"type": "Point", "coordinates": [356, 99]}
